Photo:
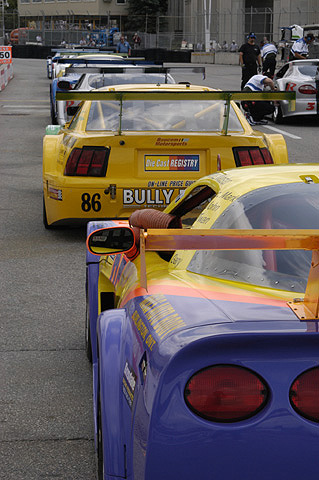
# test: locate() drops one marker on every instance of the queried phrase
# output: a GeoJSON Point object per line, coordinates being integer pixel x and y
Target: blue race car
{"type": "Point", "coordinates": [203, 329]}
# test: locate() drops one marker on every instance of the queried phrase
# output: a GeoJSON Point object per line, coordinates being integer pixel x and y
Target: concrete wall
{"type": "Point", "coordinates": [220, 58]}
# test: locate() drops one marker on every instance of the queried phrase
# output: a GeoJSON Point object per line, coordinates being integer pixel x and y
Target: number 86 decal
{"type": "Point", "coordinates": [89, 203]}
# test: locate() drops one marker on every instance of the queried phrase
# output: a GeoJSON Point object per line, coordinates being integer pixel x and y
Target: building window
{"type": "Point", "coordinates": [24, 1]}
{"type": "Point", "coordinates": [120, 2]}
{"type": "Point", "coordinates": [36, 1]}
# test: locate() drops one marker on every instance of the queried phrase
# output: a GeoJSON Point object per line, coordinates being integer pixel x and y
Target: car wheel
{"type": "Point", "coordinates": [44, 216]}
{"type": "Point", "coordinates": [100, 463]}
{"type": "Point", "coordinates": [53, 115]}
{"type": "Point", "coordinates": [88, 348]}
{"type": "Point", "coordinates": [277, 115]}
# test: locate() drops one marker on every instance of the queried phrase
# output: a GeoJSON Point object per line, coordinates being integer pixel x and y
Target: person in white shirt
{"type": "Point", "coordinates": [256, 110]}
{"type": "Point", "coordinates": [300, 48]}
{"type": "Point", "coordinates": [268, 56]}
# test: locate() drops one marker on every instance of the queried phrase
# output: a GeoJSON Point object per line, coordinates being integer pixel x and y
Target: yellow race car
{"type": "Point", "coordinates": [140, 146]}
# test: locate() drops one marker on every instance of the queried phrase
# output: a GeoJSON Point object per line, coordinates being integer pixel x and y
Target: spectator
{"type": "Point", "coordinates": [249, 57]}
{"type": "Point", "coordinates": [233, 46]}
{"type": "Point", "coordinates": [225, 46]}
{"type": "Point", "coordinates": [82, 42]}
{"type": "Point", "coordinates": [123, 46]}
{"type": "Point", "coordinates": [39, 39]}
{"type": "Point", "coordinates": [300, 48]}
{"type": "Point", "coordinates": [63, 43]}
{"type": "Point", "coordinates": [256, 110]}
{"type": "Point", "coordinates": [268, 55]}
{"type": "Point", "coordinates": [136, 40]}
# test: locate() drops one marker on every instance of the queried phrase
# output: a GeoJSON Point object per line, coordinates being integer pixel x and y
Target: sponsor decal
{"type": "Point", "coordinates": [55, 193]}
{"type": "Point", "coordinates": [129, 383]}
{"type": "Point", "coordinates": [148, 197]}
{"type": "Point", "coordinates": [171, 142]}
{"type": "Point", "coordinates": [170, 183]}
{"type": "Point", "coordinates": [171, 163]}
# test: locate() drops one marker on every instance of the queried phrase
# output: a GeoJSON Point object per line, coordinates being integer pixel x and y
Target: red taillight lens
{"type": "Point", "coordinates": [245, 156]}
{"type": "Point", "coordinates": [226, 393]}
{"type": "Point", "coordinates": [87, 162]}
{"type": "Point", "coordinates": [304, 394]}
{"type": "Point", "coordinates": [307, 90]}
{"type": "Point", "coordinates": [266, 154]}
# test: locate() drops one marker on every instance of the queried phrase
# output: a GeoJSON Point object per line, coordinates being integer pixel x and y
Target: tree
{"type": "Point", "coordinates": [142, 14]}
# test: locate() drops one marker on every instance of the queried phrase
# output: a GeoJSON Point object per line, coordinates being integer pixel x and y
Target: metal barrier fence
{"type": "Point", "coordinates": [174, 32]}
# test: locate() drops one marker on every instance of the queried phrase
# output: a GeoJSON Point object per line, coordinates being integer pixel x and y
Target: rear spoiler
{"type": "Point", "coordinates": [139, 67]}
{"type": "Point", "coordinates": [227, 96]}
{"type": "Point", "coordinates": [101, 61]}
{"type": "Point", "coordinates": [306, 309]}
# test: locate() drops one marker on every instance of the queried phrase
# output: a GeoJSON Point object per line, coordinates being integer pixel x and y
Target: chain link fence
{"type": "Point", "coordinates": [169, 32]}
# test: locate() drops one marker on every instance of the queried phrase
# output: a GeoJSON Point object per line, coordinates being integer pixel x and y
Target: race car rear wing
{"type": "Point", "coordinates": [139, 67]}
{"type": "Point", "coordinates": [103, 60]}
{"type": "Point", "coordinates": [227, 96]}
{"type": "Point", "coordinates": [306, 309]}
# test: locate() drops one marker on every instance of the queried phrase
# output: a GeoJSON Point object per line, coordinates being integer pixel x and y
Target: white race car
{"type": "Point", "coordinates": [302, 77]}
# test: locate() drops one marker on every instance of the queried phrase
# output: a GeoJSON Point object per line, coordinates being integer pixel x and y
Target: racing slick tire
{"type": "Point", "coordinates": [88, 348]}
{"type": "Point", "coordinates": [44, 217]}
{"type": "Point", "coordinates": [99, 448]}
{"type": "Point", "coordinates": [54, 120]}
{"type": "Point", "coordinates": [277, 115]}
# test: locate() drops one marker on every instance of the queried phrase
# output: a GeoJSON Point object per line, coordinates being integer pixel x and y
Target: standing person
{"type": "Point", "coordinates": [268, 55]}
{"type": "Point", "coordinates": [136, 40]}
{"type": "Point", "coordinates": [300, 48]}
{"type": "Point", "coordinates": [123, 46]}
{"type": "Point", "coordinates": [256, 110]}
{"type": "Point", "coordinates": [233, 46]}
{"type": "Point", "coordinates": [249, 57]}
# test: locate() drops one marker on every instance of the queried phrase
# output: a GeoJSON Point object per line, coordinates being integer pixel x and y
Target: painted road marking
{"type": "Point", "coordinates": [282, 132]}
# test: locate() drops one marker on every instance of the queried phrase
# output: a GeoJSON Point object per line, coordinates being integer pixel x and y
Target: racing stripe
{"type": "Point", "coordinates": [210, 294]}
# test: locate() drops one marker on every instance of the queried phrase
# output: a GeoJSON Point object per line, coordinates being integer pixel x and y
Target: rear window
{"type": "Point", "coordinates": [292, 206]}
{"type": "Point", "coordinates": [308, 70]}
{"type": "Point", "coordinates": [100, 80]}
{"type": "Point", "coordinates": [148, 115]}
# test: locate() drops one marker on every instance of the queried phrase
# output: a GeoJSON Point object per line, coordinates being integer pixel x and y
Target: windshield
{"type": "Point", "coordinates": [287, 206]}
{"type": "Point", "coordinates": [167, 115]}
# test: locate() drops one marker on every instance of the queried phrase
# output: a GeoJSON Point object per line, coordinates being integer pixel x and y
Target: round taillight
{"type": "Point", "coordinates": [307, 90]}
{"type": "Point", "coordinates": [304, 394]}
{"type": "Point", "coordinates": [226, 393]}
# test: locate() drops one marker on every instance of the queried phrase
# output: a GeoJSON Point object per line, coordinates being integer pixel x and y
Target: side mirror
{"type": "Point", "coordinates": [110, 241]}
{"type": "Point", "coordinates": [72, 109]}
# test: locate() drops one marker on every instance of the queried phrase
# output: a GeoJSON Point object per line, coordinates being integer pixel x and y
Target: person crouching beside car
{"type": "Point", "coordinates": [256, 110]}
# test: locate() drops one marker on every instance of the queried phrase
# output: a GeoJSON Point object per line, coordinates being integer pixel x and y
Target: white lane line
{"type": "Point", "coordinates": [282, 132]}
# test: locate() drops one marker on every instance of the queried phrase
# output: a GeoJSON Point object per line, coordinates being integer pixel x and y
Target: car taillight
{"type": "Point", "coordinates": [245, 156]}
{"type": "Point", "coordinates": [87, 162]}
{"type": "Point", "coordinates": [304, 394]}
{"type": "Point", "coordinates": [226, 393]}
{"type": "Point", "coordinates": [307, 90]}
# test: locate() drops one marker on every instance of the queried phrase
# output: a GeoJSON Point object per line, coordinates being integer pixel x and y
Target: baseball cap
{"type": "Point", "coordinates": [251, 35]}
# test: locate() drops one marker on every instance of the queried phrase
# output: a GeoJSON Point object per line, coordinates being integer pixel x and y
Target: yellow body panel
{"type": "Point", "coordinates": [140, 172]}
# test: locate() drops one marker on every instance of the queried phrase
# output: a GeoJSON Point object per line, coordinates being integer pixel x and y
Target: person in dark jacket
{"type": "Point", "coordinates": [249, 59]}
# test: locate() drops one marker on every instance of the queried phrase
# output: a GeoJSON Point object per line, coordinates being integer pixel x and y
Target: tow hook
{"type": "Point", "coordinates": [111, 190]}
